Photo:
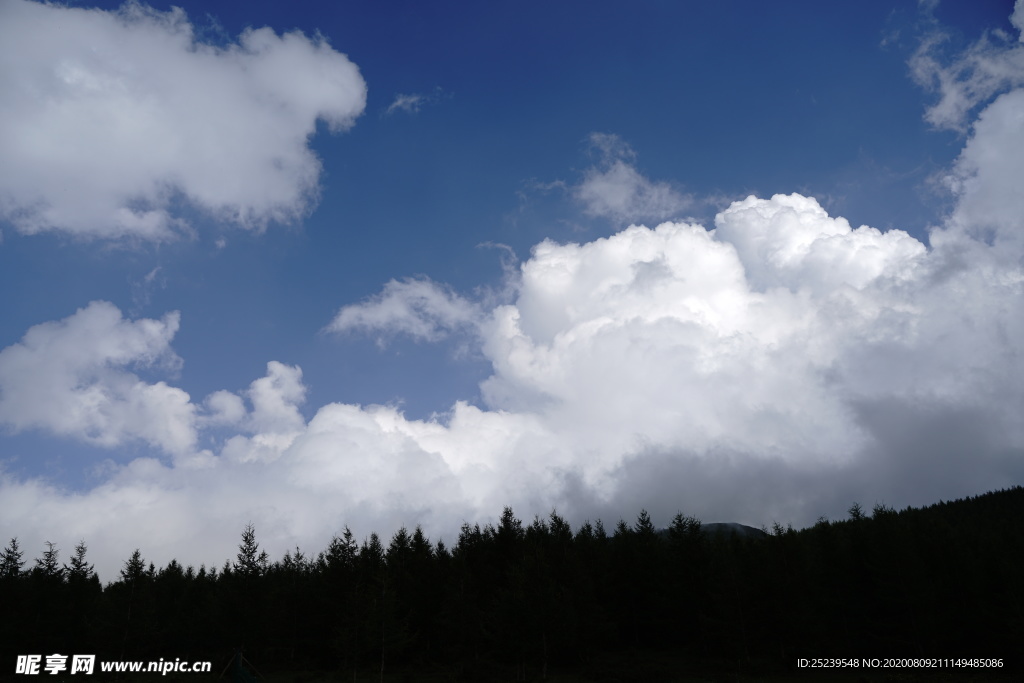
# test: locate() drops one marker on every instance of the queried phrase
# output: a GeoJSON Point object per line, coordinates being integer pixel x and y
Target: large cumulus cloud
{"type": "Point", "coordinates": [109, 119]}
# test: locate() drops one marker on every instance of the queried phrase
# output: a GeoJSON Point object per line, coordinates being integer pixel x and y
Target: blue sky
{"type": "Point", "coordinates": [417, 213]}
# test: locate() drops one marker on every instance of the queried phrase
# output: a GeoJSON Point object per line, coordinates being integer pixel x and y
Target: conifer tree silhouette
{"type": "Point", "coordinates": [11, 560]}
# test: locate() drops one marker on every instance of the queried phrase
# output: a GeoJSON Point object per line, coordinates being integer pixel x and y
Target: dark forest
{"type": "Point", "coordinates": [543, 601]}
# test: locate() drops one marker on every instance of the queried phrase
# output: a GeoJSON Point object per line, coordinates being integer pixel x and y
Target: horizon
{"type": "Point", "coordinates": [312, 556]}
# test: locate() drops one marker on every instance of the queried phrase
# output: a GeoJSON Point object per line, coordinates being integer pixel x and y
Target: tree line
{"type": "Point", "coordinates": [530, 601]}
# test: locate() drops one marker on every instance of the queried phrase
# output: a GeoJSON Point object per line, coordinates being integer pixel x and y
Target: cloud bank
{"type": "Point", "coordinates": [776, 367]}
{"type": "Point", "coordinates": [109, 121]}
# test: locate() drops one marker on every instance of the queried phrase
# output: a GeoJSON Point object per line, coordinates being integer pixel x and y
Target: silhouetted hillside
{"type": "Point", "coordinates": [728, 528]}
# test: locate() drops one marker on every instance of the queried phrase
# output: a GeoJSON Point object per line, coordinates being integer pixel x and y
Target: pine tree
{"type": "Point", "coordinates": [10, 561]}
{"type": "Point", "coordinates": [644, 527]}
{"type": "Point", "coordinates": [856, 512]}
{"type": "Point", "coordinates": [48, 565]}
{"type": "Point", "coordinates": [134, 593]}
{"type": "Point", "coordinates": [882, 511]}
{"type": "Point", "coordinates": [18, 600]}
{"type": "Point", "coordinates": [561, 530]}
{"type": "Point", "coordinates": [80, 570]}
{"type": "Point", "coordinates": [421, 548]}
{"type": "Point", "coordinates": [294, 565]}
{"type": "Point", "coordinates": [251, 562]}
{"type": "Point", "coordinates": [684, 528]}
{"type": "Point", "coordinates": [134, 568]}
{"type": "Point", "coordinates": [510, 529]}
{"type": "Point", "coordinates": [341, 552]}
{"type": "Point", "coordinates": [399, 549]}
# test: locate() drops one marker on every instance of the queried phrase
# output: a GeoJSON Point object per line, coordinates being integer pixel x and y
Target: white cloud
{"type": "Point", "coordinates": [275, 400]}
{"type": "Point", "coordinates": [655, 339]}
{"type": "Point", "coordinates": [275, 420]}
{"type": "Point", "coordinates": [986, 178]}
{"type": "Point", "coordinates": [72, 377]}
{"type": "Point", "coordinates": [420, 308]}
{"type": "Point", "coordinates": [224, 408]}
{"type": "Point", "coordinates": [407, 103]}
{"type": "Point", "coordinates": [614, 189]}
{"type": "Point", "coordinates": [108, 118]}
{"type": "Point", "coordinates": [411, 103]}
{"type": "Point", "coordinates": [991, 65]}
{"type": "Point", "coordinates": [791, 241]}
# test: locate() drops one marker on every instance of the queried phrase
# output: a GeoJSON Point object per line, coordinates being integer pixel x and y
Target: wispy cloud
{"type": "Point", "coordinates": [993, 64]}
{"type": "Point", "coordinates": [406, 103]}
{"type": "Point", "coordinates": [142, 290]}
{"type": "Point", "coordinates": [412, 103]}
